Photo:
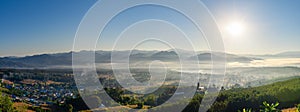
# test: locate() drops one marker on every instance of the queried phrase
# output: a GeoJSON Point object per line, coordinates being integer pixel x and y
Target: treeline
{"type": "Point", "coordinates": [17, 75]}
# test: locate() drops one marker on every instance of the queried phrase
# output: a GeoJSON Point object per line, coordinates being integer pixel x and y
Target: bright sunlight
{"type": "Point", "coordinates": [235, 28]}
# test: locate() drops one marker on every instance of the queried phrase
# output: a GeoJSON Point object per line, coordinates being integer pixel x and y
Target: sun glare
{"type": "Point", "coordinates": [235, 28]}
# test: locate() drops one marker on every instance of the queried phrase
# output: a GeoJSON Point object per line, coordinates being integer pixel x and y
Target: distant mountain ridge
{"type": "Point", "coordinates": [65, 59]}
{"type": "Point", "coordinates": [295, 54]}
{"type": "Point", "coordinates": [288, 54]}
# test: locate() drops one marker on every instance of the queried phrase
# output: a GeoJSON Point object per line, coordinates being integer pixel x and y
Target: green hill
{"type": "Point", "coordinates": [287, 93]}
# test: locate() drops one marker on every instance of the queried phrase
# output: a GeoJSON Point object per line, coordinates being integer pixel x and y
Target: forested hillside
{"type": "Point", "coordinates": [286, 93]}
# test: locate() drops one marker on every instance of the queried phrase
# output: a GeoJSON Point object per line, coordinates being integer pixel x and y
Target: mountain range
{"type": "Point", "coordinates": [65, 59]}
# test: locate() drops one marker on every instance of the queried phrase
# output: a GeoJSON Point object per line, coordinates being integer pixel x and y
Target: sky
{"type": "Point", "coordinates": [49, 26]}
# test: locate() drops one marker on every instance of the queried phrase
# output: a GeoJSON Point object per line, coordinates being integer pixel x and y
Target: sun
{"type": "Point", "coordinates": [235, 28]}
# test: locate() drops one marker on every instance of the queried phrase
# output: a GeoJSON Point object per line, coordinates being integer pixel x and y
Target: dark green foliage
{"type": "Point", "coordinates": [140, 105]}
{"type": "Point", "coordinates": [77, 103]}
{"type": "Point", "coordinates": [115, 93]}
{"type": "Point", "coordinates": [150, 100]}
{"type": "Point", "coordinates": [194, 104]}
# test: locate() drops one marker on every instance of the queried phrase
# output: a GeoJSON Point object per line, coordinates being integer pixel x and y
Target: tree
{"type": "Point", "coordinates": [150, 100]}
{"type": "Point", "coordinates": [140, 105]}
{"type": "Point", "coordinates": [77, 103]}
{"type": "Point", "coordinates": [298, 107]}
{"type": "Point", "coordinates": [245, 110]}
{"type": "Point", "coordinates": [6, 105]}
{"type": "Point", "coordinates": [115, 93]}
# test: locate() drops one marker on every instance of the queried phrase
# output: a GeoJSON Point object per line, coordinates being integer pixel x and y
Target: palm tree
{"type": "Point", "coordinates": [269, 107]}
{"type": "Point", "coordinates": [245, 110]}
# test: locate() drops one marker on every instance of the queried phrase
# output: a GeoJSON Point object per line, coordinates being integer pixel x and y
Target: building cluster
{"type": "Point", "coordinates": [39, 92]}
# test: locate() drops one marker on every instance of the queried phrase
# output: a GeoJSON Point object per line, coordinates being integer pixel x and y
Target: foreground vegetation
{"type": "Point", "coordinates": [269, 98]}
{"type": "Point", "coordinates": [287, 93]}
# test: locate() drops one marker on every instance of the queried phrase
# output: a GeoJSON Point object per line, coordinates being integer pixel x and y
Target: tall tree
{"type": "Point", "coordinates": [6, 105]}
